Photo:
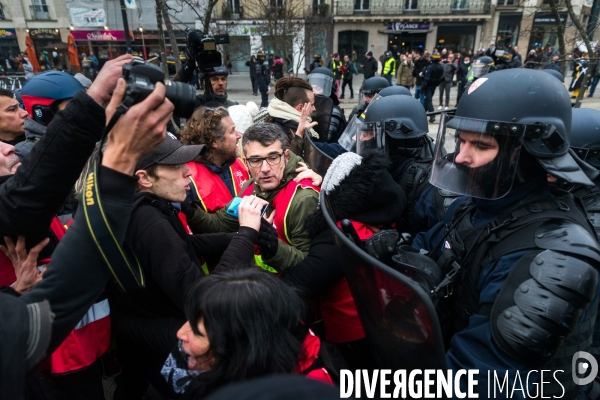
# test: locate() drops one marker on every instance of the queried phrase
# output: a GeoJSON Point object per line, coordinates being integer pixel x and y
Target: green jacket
{"type": "Point", "coordinates": [303, 204]}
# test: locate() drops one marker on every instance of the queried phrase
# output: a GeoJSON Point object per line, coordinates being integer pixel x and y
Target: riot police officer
{"type": "Point", "coordinates": [398, 125]}
{"type": "Point", "coordinates": [370, 88]}
{"type": "Point", "coordinates": [324, 84]}
{"type": "Point", "coordinates": [586, 145]}
{"type": "Point", "coordinates": [262, 78]}
{"type": "Point", "coordinates": [520, 263]}
{"type": "Point", "coordinates": [480, 66]}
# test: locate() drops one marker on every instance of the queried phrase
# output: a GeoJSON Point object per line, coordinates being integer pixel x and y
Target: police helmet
{"type": "Point", "coordinates": [44, 90]}
{"type": "Point", "coordinates": [555, 73]}
{"type": "Point", "coordinates": [496, 123]}
{"type": "Point", "coordinates": [435, 57]}
{"type": "Point", "coordinates": [321, 79]}
{"type": "Point", "coordinates": [396, 124]}
{"type": "Point", "coordinates": [481, 66]}
{"type": "Point", "coordinates": [392, 91]}
{"type": "Point", "coordinates": [374, 85]}
{"type": "Point", "coordinates": [585, 135]}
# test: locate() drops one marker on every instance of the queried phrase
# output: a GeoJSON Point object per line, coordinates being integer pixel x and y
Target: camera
{"type": "Point", "coordinates": [141, 78]}
{"type": "Point", "coordinates": [203, 49]}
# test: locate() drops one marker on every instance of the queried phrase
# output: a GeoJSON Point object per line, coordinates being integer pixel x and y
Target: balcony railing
{"type": "Point", "coordinates": [39, 12]}
{"type": "Point", "coordinates": [425, 7]}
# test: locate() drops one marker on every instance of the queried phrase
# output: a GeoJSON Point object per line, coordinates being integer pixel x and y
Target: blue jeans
{"type": "Point", "coordinates": [595, 80]}
{"type": "Point", "coordinates": [417, 92]}
{"type": "Point", "coordinates": [388, 77]}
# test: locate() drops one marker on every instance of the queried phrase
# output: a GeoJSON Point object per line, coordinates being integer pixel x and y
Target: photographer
{"type": "Point", "coordinates": [215, 80]}
{"type": "Point", "coordinates": [77, 273]}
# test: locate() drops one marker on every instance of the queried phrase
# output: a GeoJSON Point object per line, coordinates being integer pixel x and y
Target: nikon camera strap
{"type": "Point", "coordinates": [121, 260]}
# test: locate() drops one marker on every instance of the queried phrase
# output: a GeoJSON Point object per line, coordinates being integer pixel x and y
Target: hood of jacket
{"type": "Point", "coordinates": [33, 129]}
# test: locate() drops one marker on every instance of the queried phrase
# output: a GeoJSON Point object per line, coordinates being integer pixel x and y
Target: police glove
{"type": "Point", "coordinates": [267, 239]}
{"type": "Point", "coordinates": [382, 245]}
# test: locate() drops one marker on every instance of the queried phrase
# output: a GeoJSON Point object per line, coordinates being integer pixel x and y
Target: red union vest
{"type": "Point", "coordinates": [281, 204]}
{"type": "Point", "coordinates": [340, 317]}
{"type": "Point", "coordinates": [90, 338]}
{"type": "Point", "coordinates": [211, 190]}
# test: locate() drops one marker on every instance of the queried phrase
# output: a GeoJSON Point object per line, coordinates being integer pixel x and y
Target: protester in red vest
{"type": "Point", "coordinates": [218, 174]}
{"type": "Point", "coordinates": [273, 169]}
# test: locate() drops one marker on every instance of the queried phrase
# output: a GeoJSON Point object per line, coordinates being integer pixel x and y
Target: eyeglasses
{"type": "Point", "coordinates": [271, 159]}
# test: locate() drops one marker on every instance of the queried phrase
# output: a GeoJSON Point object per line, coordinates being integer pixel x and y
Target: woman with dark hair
{"type": "Point", "coordinates": [243, 323]}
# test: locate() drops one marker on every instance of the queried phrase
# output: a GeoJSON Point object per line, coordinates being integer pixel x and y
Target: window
{"type": "Point", "coordinates": [411, 5]}
{"type": "Point", "coordinates": [276, 3]}
{"type": "Point", "coordinates": [361, 5]}
{"type": "Point", "coordinates": [234, 6]}
{"type": "Point", "coordinates": [507, 2]}
{"type": "Point", "coordinates": [460, 4]}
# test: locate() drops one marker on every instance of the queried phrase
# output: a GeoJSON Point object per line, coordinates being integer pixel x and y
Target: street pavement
{"type": "Point", "coordinates": [239, 88]}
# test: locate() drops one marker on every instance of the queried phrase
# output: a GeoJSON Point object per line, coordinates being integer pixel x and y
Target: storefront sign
{"type": "Point", "coordinates": [86, 17]}
{"type": "Point", "coordinates": [101, 36]}
{"type": "Point", "coordinates": [8, 34]}
{"type": "Point", "coordinates": [548, 18]}
{"type": "Point", "coordinates": [44, 33]}
{"type": "Point", "coordinates": [408, 26]}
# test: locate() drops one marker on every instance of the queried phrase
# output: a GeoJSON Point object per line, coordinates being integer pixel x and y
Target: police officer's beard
{"type": "Point", "coordinates": [488, 181]}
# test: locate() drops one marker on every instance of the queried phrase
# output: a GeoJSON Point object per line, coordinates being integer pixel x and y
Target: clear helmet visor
{"type": "Point", "coordinates": [476, 158]}
{"type": "Point", "coordinates": [321, 84]}
{"type": "Point", "coordinates": [369, 136]}
{"type": "Point", "coordinates": [479, 70]}
{"type": "Point", "coordinates": [348, 138]}
{"type": "Point", "coordinates": [365, 97]}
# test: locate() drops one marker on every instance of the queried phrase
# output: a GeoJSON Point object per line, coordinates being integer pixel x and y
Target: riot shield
{"type": "Point", "coordinates": [398, 317]}
{"type": "Point", "coordinates": [322, 115]}
{"type": "Point", "coordinates": [314, 157]}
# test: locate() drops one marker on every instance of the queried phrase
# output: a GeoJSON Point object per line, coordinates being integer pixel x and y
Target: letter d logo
{"type": "Point", "coordinates": [580, 367]}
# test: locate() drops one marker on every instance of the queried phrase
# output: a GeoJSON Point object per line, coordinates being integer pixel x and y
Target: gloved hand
{"type": "Point", "coordinates": [382, 245]}
{"type": "Point", "coordinates": [267, 239]}
{"type": "Point", "coordinates": [188, 209]}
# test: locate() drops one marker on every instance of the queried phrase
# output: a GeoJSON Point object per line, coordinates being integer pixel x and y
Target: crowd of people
{"type": "Point", "coordinates": [202, 260]}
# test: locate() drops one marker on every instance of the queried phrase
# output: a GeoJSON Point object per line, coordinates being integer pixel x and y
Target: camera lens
{"type": "Point", "coordinates": [183, 97]}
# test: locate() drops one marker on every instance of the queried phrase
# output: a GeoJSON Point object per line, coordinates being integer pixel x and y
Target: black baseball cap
{"type": "Point", "coordinates": [170, 152]}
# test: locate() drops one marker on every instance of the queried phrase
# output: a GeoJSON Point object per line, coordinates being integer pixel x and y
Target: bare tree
{"type": "Point", "coordinates": [560, 32]}
{"type": "Point", "coordinates": [172, 39]}
{"type": "Point", "coordinates": [161, 38]}
{"type": "Point", "coordinates": [591, 51]}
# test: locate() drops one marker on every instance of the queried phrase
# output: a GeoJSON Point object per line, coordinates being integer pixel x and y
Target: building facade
{"type": "Point", "coordinates": [406, 25]}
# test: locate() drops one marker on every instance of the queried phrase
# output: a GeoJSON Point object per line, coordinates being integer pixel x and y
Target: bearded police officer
{"type": "Point", "coordinates": [520, 293]}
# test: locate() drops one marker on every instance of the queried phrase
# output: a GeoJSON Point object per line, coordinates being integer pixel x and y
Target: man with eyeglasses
{"type": "Point", "coordinates": [272, 167]}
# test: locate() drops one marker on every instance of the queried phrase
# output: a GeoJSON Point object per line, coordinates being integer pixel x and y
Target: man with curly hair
{"type": "Point", "coordinates": [217, 174]}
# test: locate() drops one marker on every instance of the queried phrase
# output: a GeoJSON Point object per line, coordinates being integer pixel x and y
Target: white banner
{"type": "Point", "coordinates": [86, 17]}
{"type": "Point", "coordinates": [130, 4]}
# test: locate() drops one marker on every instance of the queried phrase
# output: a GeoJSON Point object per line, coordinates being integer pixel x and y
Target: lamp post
{"type": "Point", "coordinates": [143, 43]}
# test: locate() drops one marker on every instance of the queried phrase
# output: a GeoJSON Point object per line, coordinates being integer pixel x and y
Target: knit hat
{"type": "Point", "coordinates": [360, 189]}
{"type": "Point", "coordinates": [369, 53]}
